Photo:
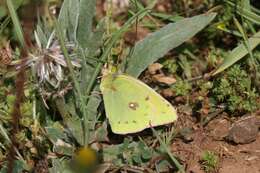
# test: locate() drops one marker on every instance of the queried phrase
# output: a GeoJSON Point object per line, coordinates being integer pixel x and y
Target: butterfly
{"type": "Point", "coordinates": [132, 106]}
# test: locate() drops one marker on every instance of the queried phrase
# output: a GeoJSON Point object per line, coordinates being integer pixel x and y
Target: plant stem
{"type": "Point", "coordinates": [74, 79]}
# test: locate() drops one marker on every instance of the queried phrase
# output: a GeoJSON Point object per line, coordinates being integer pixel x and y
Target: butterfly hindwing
{"type": "Point", "coordinates": [132, 106]}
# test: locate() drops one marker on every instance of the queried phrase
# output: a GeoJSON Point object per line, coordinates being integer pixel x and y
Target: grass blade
{"type": "Point", "coordinates": [239, 52]}
{"type": "Point", "coordinates": [17, 25]}
{"type": "Point", "coordinates": [175, 161]}
{"type": "Point", "coordinates": [248, 14]}
{"type": "Point", "coordinates": [4, 24]}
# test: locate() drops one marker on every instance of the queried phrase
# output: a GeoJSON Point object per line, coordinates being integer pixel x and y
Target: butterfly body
{"type": "Point", "coordinates": [132, 106]}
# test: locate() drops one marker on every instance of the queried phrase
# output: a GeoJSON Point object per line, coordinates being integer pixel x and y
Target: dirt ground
{"type": "Point", "coordinates": [233, 158]}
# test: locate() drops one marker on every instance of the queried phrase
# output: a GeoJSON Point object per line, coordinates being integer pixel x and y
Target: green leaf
{"type": "Point", "coordinates": [64, 149]}
{"type": "Point", "coordinates": [3, 9]}
{"type": "Point", "coordinates": [41, 37]}
{"type": "Point", "coordinates": [159, 43]}
{"type": "Point", "coordinates": [16, 22]}
{"type": "Point", "coordinates": [89, 61]}
{"type": "Point", "coordinates": [18, 167]}
{"type": "Point", "coordinates": [71, 119]}
{"type": "Point", "coordinates": [86, 14]}
{"type": "Point", "coordinates": [63, 16]}
{"type": "Point", "coordinates": [92, 112]}
{"type": "Point", "coordinates": [4, 23]}
{"type": "Point", "coordinates": [163, 16]}
{"type": "Point", "coordinates": [60, 166]}
{"type": "Point", "coordinates": [68, 17]}
{"type": "Point", "coordinates": [55, 132]}
{"type": "Point", "coordinates": [163, 166]}
{"type": "Point", "coordinates": [73, 13]}
{"type": "Point", "coordinates": [239, 52]}
{"type": "Point", "coordinates": [246, 4]}
{"type": "Point", "coordinates": [245, 12]}
{"type": "Point", "coordinates": [101, 133]}
{"type": "Point", "coordinates": [3, 12]}
{"type": "Point", "coordinates": [96, 39]}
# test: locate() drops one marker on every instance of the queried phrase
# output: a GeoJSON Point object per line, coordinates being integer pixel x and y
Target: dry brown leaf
{"type": "Point", "coordinates": [136, 34]}
{"type": "Point", "coordinates": [153, 68]}
{"type": "Point", "coordinates": [167, 93]}
{"type": "Point", "coordinates": [164, 79]}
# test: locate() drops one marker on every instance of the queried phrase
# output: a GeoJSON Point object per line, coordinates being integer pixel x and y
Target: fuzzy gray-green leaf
{"type": "Point", "coordinates": [159, 43]}
{"type": "Point", "coordinates": [63, 16]}
{"type": "Point", "coordinates": [68, 17]}
{"type": "Point", "coordinates": [86, 14]}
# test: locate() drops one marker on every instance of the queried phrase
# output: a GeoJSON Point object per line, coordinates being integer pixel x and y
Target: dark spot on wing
{"type": "Point", "coordinates": [113, 88]}
{"type": "Point", "coordinates": [147, 98]}
{"type": "Point", "coordinates": [126, 122]}
{"type": "Point", "coordinates": [133, 105]}
{"type": "Point", "coordinates": [167, 105]}
{"type": "Point", "coordinates": [134, 121]}
{"type": "Point", "coordinates": [118, 122]}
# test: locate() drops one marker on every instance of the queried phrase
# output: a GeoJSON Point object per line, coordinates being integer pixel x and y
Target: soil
{"type": "Point", "coordinates": [233, 158]}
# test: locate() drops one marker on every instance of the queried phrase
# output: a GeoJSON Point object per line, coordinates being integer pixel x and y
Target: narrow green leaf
{"type": "Point", "coordinates": [63, 16]}
{"type": "Point", "coordinates": [86, 14]}
{"type": "Point", "coordinates": [239, 52]}
{"type": "Point", "coordinates": [4, 10]}
{"type": "Point", "coordinates": [160, 42]}
{"type": "Point", "coordinates": [17, 25]}
{"type": "Point", "coordinates": [245, 37]}
{"type": "Point", "coordinates": [97, 39]}
{"type": "Point", "coordinates": [163, 16]}
{"type": "Point", "coordinates": [246, 4]}
{"type": "Point", "coordinates": [70, 119]}
{"type": "Point", "coordinates": [73, 15]}
{"type": "Point", "coordinates": [68, 17]}
{"type": "Point", "coordinates": [248, 14]}
{"type": "Point", "coordinates": [92, 111]}
{"type": "Point", "coordinates": [4, 24]}
{"type": "Point", "coordinates": [41, 36]}
{"type": "Point", "coordinates": [89, 63]}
